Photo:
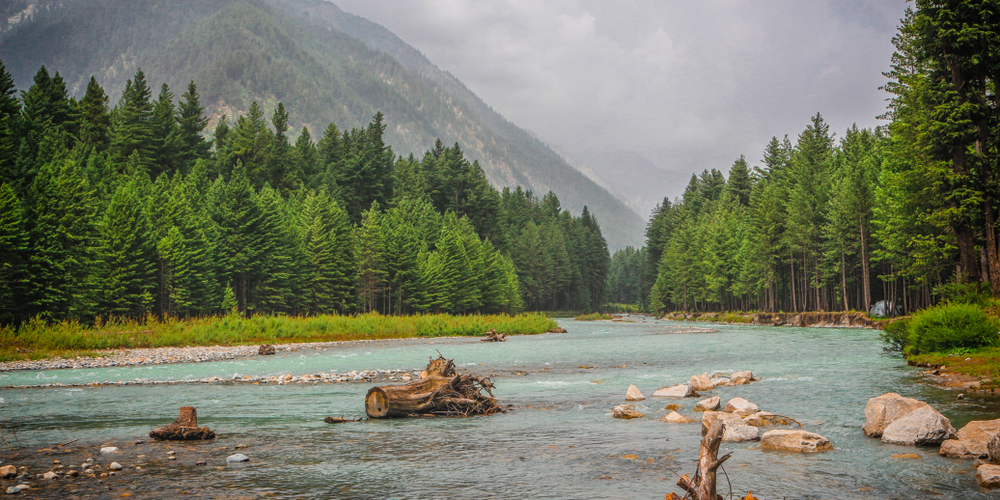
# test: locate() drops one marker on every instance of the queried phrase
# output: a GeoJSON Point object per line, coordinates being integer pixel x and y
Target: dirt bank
{"type": "Point", "coordinates": [806, 319]}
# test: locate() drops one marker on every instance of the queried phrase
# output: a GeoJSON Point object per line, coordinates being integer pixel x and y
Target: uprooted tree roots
{"type": "Point", "coordinates": [439, 392]}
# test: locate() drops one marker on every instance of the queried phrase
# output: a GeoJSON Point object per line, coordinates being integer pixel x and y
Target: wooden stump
{"type": "Point", "coordinates": [493, 336]}
{"type": "Point", "coordinates": [703, 486]}
{"type": "Point", "coordinates": [440, 391]}
{"type": "Point", "coordinates": [185, 428]}
{"type": "Point", "coordinates": [265, 350]}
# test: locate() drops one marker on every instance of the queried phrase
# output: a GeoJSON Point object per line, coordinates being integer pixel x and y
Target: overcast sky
{"type": "Point", "coordinates": [686, 84]}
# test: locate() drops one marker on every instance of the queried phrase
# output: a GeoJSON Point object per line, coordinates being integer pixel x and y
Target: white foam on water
{"type": "Point", "coordinates": [553, 383]}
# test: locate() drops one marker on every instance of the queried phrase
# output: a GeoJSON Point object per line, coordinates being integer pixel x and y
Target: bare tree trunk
{"type": "Point", "coordinates": [866, 286]}
{"type": "Point", "coordinates": [843, 278]}
{"type": "Point", "coordinates": [795, 303]}
{"type": "Point", "coordinates": [703, 486]}
{"type": "Point", "coordinates": [992, 269]}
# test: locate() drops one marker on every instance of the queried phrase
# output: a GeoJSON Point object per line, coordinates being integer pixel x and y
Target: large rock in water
{"type": "Point", "coordinates": [710, 404]}
{"type": "Point", "coordinates": [970, 441]}
{"type": "Point", "coordinates": [921, 426]}
{"type": "Point", "coordinates": [886, 409]}
{"type": "Point", "coordinates": [993, 449]}
{"type": "Point", "coordinates": [633, 394]}
{"type": "Point", "coordinates": [701, 382]}
{"type": "Point", "coordinates": [741, 407]}
{"type": "Point", "coordinates": [791, 440]}
{"type": "Point", "coordinates": [8, 471]}
{"type": "Point", "coordinates": [676, 418]}
{"type": "Point", "coordinates": [741, 378]}
{"type": "Point", "coordinates": [988, 475]}
{"type": "Point", "coordinates": [677, 391]}
{"type": "Point", "coordinates": [709, 417]}
{"type": "Point", "coordinates": [739, 433]}
{"type": "Point", "coordinates": [626, 412]}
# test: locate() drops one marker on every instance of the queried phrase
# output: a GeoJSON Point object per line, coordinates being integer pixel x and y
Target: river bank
{"type": "Point", "coordinates": [851, 319]}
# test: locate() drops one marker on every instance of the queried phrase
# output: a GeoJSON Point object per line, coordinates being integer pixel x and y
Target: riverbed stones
{"type": "Point", "coordinates": [633, 394]}
{"type": "Point", "coordinates": [239, 457]}
{"type": "Point", "coordinates": [626, 412]}
{"type": "Point", "coordinates": [886, 409]}
{"type": "Point", "coordinates": [741, 378]}
{"type": "Point", "coordinates": [794, 440]}
{"type": "Point", "coordinates": [919, 427]}
{"type": "Point", "coordinates": [971, 440]}
{"type": "Point", "coordinates": [7, 471]}
{"type": "Point", "coordinates": [677, 391]}
{"type": "Point", "coordinates": [988, 475]}
{"type": "Point", "coordinates": [676, 418]}
{"type": "Point", "coordinates": [741, 407]}
{"type": "Point", "coordinates": [701, 382]}
{"type": "Point", "coordinates": [710, 404]}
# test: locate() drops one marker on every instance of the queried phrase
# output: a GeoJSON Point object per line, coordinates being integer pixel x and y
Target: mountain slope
{"type": "Point", "coordinates": [324, 64]}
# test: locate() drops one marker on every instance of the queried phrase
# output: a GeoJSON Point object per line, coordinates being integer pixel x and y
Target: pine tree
{"type": "Point", "coordinates": [13, 245]}
{"type": "Point", "coordinates": [95, 120]}
{"type": "Point", "coordinates": [191, 122]}
{"type": "Point", "coordinates": [125, 271]}
{"type": "Point", "coordinates": [10, 110]}
{"type": "Point", "coordinates": [131, 122]}
{"type": "Point", "coordinates": [238, 219]}
{"type": "Point", "coordinates": [167, 143]}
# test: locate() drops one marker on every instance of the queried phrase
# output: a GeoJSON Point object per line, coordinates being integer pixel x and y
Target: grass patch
{"type": "Point", "coordinates": [38, 339]}
{"type": "Point", "coordinates": [593, 317]}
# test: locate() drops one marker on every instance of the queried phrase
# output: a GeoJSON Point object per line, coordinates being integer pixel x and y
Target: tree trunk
{"type": "Point", "coordinates": [992, 259]}
{"type": "Point", "coordinates": [440, 391]}
{"type": "Point", "coordinates": [185, 428]}
{"type": "Point", "coordinates": [703, 486]}
{"type": "Point", "coordinates": [967, 253]}
{"type": "Point", "coordinates": [795, 303]}
{"type": "Point", "coordinates": [865, 267]}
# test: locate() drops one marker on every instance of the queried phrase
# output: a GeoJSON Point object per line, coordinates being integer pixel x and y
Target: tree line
{"type": "Point", "coordinates": [129, 210]}
{"type": "Point", "coordinates": [904, 212]}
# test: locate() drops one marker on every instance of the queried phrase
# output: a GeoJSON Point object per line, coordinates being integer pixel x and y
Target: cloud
{"type": "Point", "coordinates": [689, 85]}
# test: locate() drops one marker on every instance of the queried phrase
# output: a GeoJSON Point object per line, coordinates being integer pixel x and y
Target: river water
{"type": "Point", "coordinates": [560, 441]}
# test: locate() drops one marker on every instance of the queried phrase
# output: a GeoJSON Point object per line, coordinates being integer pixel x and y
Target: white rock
{"type": "Point", "coordinates": [633, 394]}
{"type": "Point", "coordinates": [701, 382]}
{"type": "Point", "coordinates": [739, 433]}
{"type": "Point", "coordinates": [676, 418]}
{"type": "Point", "coordinates": [709, 417]}
{"type": "Point", "coordinates": [794, 440]}
{"type": "Point", "coordinates": [115, 466]}
{"type": "Point", "coordinates": [677, 391]}
{"type": "Point", "coordinates": [921, 426]}
{"type": "Point", "coordinates": [109, 449]}
{"type": "Point", "coordinates": [239, 457]}
{"type": "Point", "coordinates": [50, 475]}
{"type": "Point", "coordinates": [710, 404]}
{"type": "Point", "coordinates": [741, 407]}
{"type": "Point", "coordinates": [886, 409]}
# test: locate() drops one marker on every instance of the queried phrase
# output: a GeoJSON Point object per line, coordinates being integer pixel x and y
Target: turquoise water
{"type": "Point", "coordinates": [559, 442]}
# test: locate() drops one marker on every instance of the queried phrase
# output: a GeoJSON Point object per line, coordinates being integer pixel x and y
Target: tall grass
{"type": "Point", "coordinates": [38, 339]}
{"type": "Point", "coordinates": [593, 317]}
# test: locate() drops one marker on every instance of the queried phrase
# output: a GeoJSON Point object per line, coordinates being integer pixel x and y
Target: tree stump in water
{"type": "Point", "coordinates": [493, 336]}
{"type": "Point", "coordinates": [185, 428]}
{"type": "Point", "coordinates": [703, 486]}
{"type": "Point", "coordinates": [440, 391]}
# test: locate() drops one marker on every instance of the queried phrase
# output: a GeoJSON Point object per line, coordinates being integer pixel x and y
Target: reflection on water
{"type": "Point", "coordinates": [559, 442]}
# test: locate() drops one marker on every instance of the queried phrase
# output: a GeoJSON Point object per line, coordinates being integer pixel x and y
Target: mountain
{"type": "Point", "coordinates": [325, 65]}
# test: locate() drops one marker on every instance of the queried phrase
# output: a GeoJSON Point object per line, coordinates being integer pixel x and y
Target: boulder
{"type": "Point", "coordinates": [701, 382]}
{"type": "Point", "coordinates": [710, 404]}
{"type": "Point", "coordinates": [709, 417]}
{"type": "Point", "coordinates": [7, 471]}
{"type": "Point", "coordinates": [766, 418]}
{"type": "Point", "coordinates": [741, 378]}
{"type": "Point", "coordinates": [886, 409]}
{"type": "Point", "coordinates": [993, 449]}
{"type": "Point", "coordinates": [988, 475]}
{"type": "Point", "coordinates": [921, 426]}
{"type": "Point", "coordinates": [739, 433]}
{"type": "Point", "coordinates": [633, 394]}
{"type": "Point", "coordinates": [676, 418]}
{"type": "Point", "coordinates": [626, 412]}
{"type": "Point", "coordinates": [741, 407]}
{"type": "Point", "coordinates": [971, 440]}
{"type": "Point", "coordinates": [677, 391]}
{"type": "Point", "coordinates": [794, 440]}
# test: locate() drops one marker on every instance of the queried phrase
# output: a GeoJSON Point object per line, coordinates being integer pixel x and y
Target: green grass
{"type": "Point", "coordinates": [38, 339]}
{"type": "Point", "coordinates": [592, 317]}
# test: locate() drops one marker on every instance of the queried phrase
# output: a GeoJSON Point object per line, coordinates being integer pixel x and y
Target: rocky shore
{"type": "Point", "coordinates": [806, 319]}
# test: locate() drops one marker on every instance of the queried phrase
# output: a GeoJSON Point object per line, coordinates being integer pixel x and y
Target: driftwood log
{"type": "Point", "coordinates": [703, 486]}
{"type": "Point", "coordinates": [185, 428]}
{"type": "Point", "coordinates": [493, 336]}
{"type": "Point", "coordinates": [339, 420]}
{"type": "Point", "coordinates": [439, 392]}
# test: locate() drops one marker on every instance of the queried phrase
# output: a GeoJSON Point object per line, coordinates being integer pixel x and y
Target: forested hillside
{"type": "Point", "coordinates": [326, 66]}
{"type": "Point", "coordinates": [127, 210]}
{"type": "Point", "coordinates": [905, 213]}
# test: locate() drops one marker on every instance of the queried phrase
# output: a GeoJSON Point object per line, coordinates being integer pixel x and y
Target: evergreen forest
{"type": "Point", "coordinates": [128, 211]}
{"type": "Point", "coordinates": [905, 212]}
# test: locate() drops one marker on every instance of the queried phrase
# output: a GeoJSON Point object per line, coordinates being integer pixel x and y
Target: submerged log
{"type": "Point", "coordinates": [339, 420]}
{"type": "Point", "coordinates": [440, 391]}
{"type": "Point", "coordinates": [493, 336]}
{"type": "Point", "coordinates": [185, 428]}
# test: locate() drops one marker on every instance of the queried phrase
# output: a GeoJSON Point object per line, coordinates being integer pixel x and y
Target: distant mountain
{"type": "Point", "coordinates": [325, 65]}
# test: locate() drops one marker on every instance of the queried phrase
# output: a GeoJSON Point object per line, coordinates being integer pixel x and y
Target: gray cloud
{"type": "Point", "coordinates": [687, 84]}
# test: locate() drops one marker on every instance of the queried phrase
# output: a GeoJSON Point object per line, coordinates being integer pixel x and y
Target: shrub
{"type": "Point", "coordinates": [950, 326]}
{"type": "Point", "coordinates": [977, 293]}
{"type": "Point", "coordinates": [593, 317]}
{"type": "Point", "coordinates": [894, 334]}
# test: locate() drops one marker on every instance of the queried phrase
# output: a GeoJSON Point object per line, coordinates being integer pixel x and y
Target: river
{"type": "Point", "coordinates": [560, 440]}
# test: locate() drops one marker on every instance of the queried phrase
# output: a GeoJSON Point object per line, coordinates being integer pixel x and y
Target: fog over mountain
{"type": "Point", "coordinates": [684, 85]}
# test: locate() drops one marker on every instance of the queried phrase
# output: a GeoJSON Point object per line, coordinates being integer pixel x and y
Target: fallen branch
{"type": "Point", "coordinates": [493, 336]}
{"type": "Point", "coordinates": [67, 442]}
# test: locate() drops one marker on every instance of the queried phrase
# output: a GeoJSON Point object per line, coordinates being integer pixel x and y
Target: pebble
{"type": "Point", "coordinates": [239, 457]}
{"type": "Point", "coordinates": [90, 460]}
{"type": "Point", "coordinates": [171, 452]}
{"type": "Point", "coordinates": [115, 466]}
{"type": "Point", "coordinates": [109, 449]}
{"type": "Point", "coordinates": [72, 473]}
{"type": "Point", "coordinates": [171, 457]}
{"type": "Point", "coordinates": [50, 475]}
{"type": "Point", "coordinates": [239, 447]}
{"type": "Point", "coordinates": [13, 490]}
{"type": "Point", "coordinates": [104, 475]}
{"type": "Point", "coordinates": [201, 462]}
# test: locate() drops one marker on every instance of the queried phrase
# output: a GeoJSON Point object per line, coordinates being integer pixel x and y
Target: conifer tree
{"type": "Point", "coordinates": [125, 270]}
{"type": "Point", "coordinates": [167, 143]}
{"type": "Point", "coordinates": [191, 122]}
{"type": "Point", "coordinates": [95, 119]}
{"type": "Point", "coordinates": [13, 245]}
{"type": "Point", "coordinates": [131, 122]}
{"type": "Point", "coordinates": [10, 110]}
